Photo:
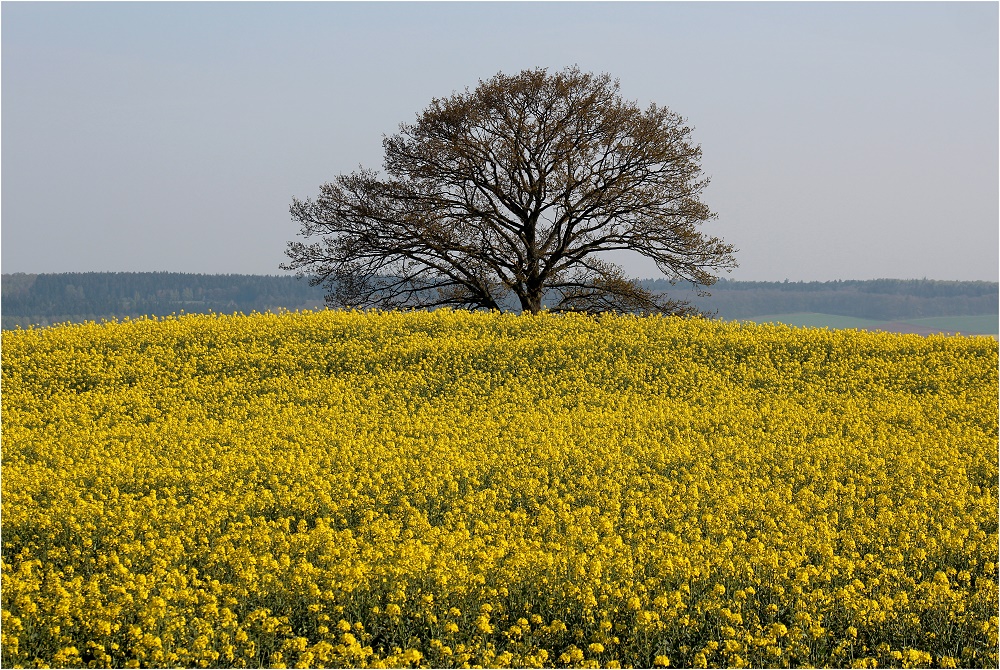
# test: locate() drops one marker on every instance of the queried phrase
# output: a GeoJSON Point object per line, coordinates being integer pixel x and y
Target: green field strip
{"type": "Point", "coordinates": [986, 324]}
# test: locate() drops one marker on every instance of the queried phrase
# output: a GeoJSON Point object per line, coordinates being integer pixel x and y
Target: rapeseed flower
{"type": "Point", "coordinates": [446, 489]}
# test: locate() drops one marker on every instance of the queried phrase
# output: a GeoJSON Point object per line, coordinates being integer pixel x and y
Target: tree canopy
{"type": "Point", "coordinates": [516, 189]}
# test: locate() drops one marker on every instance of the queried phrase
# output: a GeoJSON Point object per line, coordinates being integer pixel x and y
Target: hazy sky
{"type": "Point", "coordinates": [844, 140]}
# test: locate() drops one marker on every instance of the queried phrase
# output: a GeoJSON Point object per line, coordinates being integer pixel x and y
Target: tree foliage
{"type": "Point", "coordinates": [516, 189]}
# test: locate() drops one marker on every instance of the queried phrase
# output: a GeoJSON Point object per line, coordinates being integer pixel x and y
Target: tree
{"type": "Point", "coordinates": [516, 188]}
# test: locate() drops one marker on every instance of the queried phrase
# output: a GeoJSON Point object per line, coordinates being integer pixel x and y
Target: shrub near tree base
{"type": "Point", "coordinates": [448, 488]}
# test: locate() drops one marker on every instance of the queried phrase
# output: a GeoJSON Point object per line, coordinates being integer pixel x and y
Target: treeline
{"type": "Point", "coordinates": [44, 299]}
{"type": "Point", "coordinates": [880, 299]}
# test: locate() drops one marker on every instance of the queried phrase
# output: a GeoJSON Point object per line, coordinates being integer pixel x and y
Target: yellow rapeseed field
{"type": "Point", "coordinates": [453, 489]}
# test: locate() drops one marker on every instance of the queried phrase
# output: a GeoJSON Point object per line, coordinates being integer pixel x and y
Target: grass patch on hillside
{"type": "Point", "coordinates": [986, 324]}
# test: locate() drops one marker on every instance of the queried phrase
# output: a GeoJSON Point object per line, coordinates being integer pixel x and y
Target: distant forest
{"type": "Point", "coordinates": [45, 299]}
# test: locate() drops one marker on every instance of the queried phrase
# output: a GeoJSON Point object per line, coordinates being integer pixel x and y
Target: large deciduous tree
{"type": "Point", "coordinates": [516, 188]}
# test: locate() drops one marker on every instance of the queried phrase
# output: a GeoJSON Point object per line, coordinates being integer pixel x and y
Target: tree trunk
{"type": "Point", "coordinates": [531, 301]}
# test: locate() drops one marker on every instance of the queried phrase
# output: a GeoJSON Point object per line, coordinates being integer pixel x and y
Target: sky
{"type": "Point", "coordinates": [843, 140]}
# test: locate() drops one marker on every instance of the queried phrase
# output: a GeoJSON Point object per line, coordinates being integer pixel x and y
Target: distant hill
{"type": "Point", "coordinates": [877, 299]}
{"type": "Point", "coordinates": [44, 299]}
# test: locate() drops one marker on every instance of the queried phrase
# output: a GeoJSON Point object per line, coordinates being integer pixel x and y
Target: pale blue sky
{"type": "Point", "coordinates": [844, 140]}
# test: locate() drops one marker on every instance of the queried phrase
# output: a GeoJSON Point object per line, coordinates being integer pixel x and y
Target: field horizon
{"type": "Point", "coordinates": [77, 297]}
